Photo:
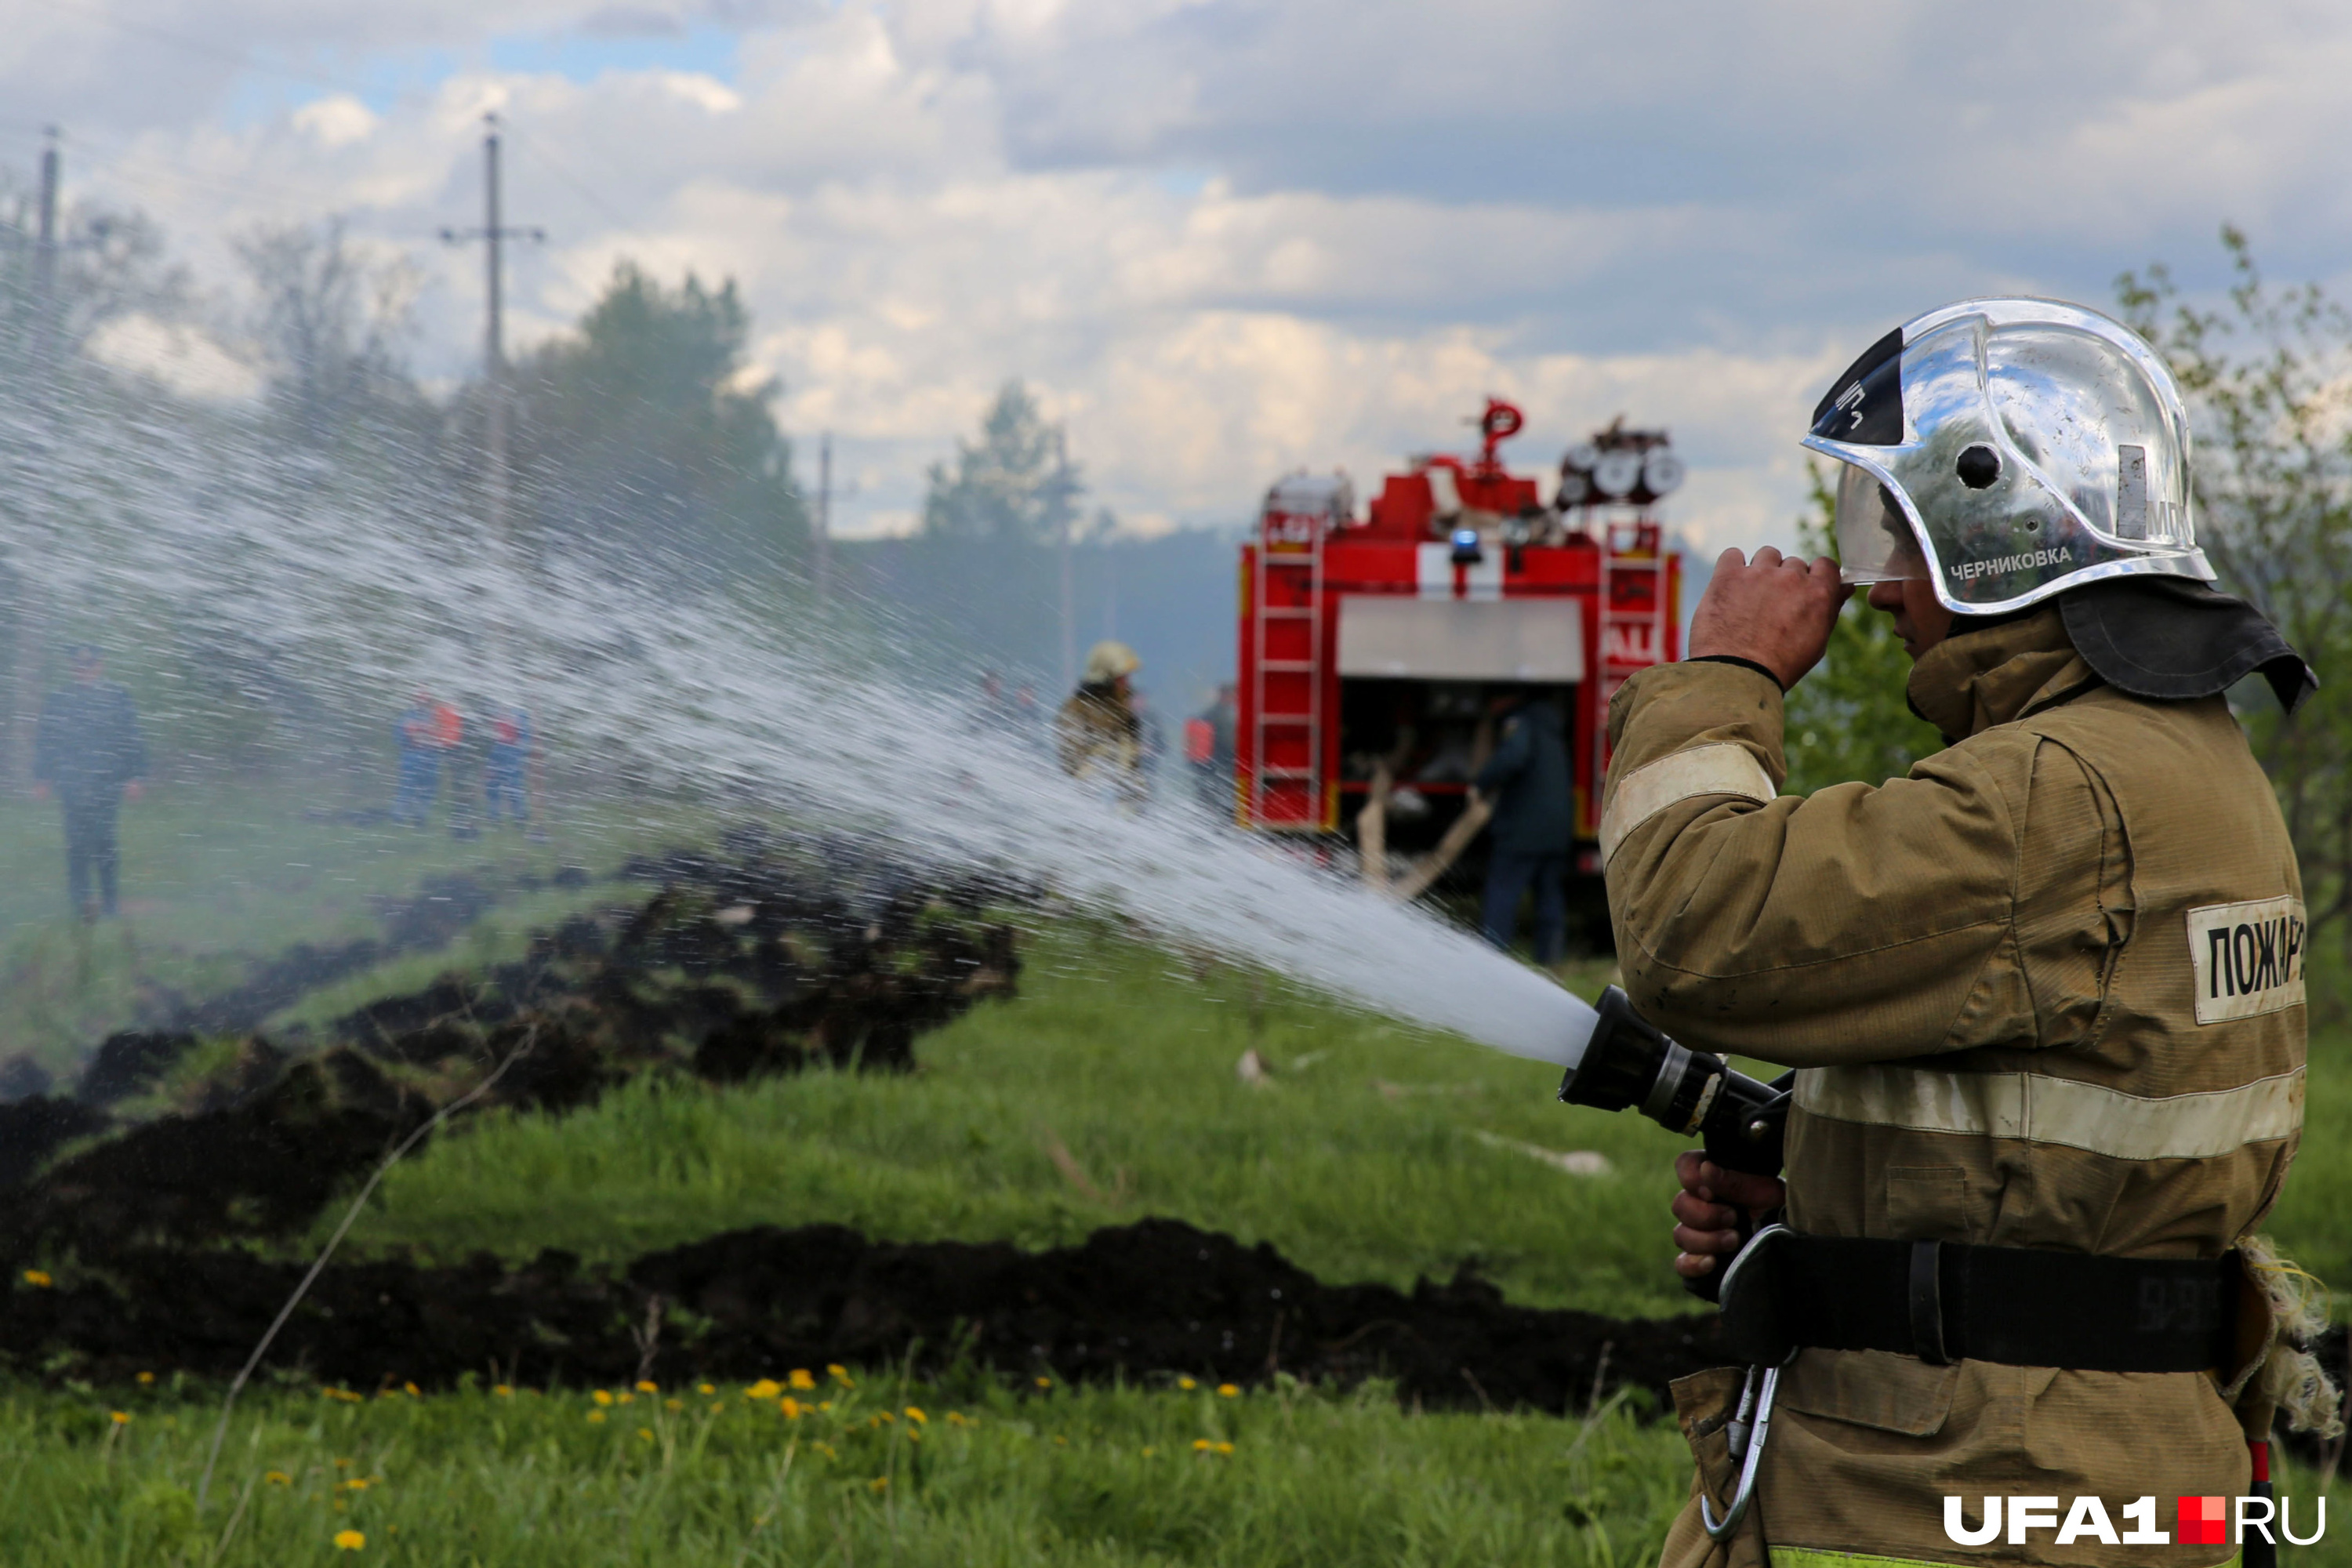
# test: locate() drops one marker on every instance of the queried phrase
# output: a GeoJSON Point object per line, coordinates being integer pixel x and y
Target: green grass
{"type": "Point", "coordinates": [1370, 1156]}
{"type": "Point", "coordinates": [1096, 1477]}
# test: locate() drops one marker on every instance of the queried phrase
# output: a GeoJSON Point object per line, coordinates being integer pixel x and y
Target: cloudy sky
{"type": "Point", "coordinates": [1224, 239]}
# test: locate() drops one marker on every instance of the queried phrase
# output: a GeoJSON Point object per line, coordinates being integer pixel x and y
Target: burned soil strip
{"type": "Point", "coordinates": [1159, 1297]}
{"type": "Point", "coordinates": [744, 972]}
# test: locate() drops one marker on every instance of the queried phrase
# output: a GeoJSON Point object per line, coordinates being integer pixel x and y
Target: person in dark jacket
{"type": "Point", "coordinates": [1528, 779]}
{"type": "Point", "coordinates": [88, 753]}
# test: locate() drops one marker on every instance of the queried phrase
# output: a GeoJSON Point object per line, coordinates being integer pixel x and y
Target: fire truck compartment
{"type": "Point", "coordinates": [1391, 638]}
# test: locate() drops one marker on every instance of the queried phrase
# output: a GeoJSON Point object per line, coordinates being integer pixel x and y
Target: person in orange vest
{"type": "Point", "coordinates": [428, 732]}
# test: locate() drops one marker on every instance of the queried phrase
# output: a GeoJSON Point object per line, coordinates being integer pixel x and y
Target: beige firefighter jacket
{"type": "Point", "coordinates": [1097, 736]}
{"type": "Point", "coordinates": [2045, 991]}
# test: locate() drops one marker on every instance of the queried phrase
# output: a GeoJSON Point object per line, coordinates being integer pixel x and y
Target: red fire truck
{"type": "Point", "coordinates": [1372, 646]}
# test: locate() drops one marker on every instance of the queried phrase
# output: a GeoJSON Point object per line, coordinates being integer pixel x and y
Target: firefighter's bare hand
{"type": "Point", "coordinates": [1706, 1211]}
{"type": "Point", "coordinates": [1776, 610]}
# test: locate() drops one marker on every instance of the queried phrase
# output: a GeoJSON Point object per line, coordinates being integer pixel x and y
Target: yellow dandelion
{"type": "Point", "coordinates": [357, 1484]}
{"type": "Point", "coordinates": [645, 1387]}
{"type": "Point", "coordinates": [791, 1407]}
{"type": "Point", "coordinates": [878, 1484]}
{"type": "Point", "coordinates": [1060, 1441]}
{"type": "Point", "coordinates": [121, 1418]}
{"type": "Point", "coordinates": [1045, 1383]}
{"type": "Point", "coordinates": [339, 1505]}
{"type": "Point", "coordinates": [840, 1375]}
{"type": "Point", "coordinates": [596, 1417]}
{"type": "Point", "coordinates": [1149, 1451]}
{"type": "Point", "coordinates": [915, 1414]}
{"type": "Point", "coordinates": [766, 1388]}
{"type": "Point", "coordinates": [1228, 1391]}
{"type": "Point", "coordinates": [882, 1415]}
{"type": "Point", "coordinates": [625, 1397]}
{"type": "Point", "coordinates": [1187, 1385]}
{"type": "Point", "coordinates": [673, 1405]}
{"type": "Point", "coordinates": [342, 1464]}
{"type": "Point", "coordinates": [706, 1388]}
{"type": "Point", "coordinates": [387, 1393]}
{"type": "Point", "coordinates": [146, 1378]}
{"type": "Point", "coordinates": [645, 1434]}
{"type": "Point", "coordinates": [411, 1389]}
{"type": "Point", "coordinates": [601, 1397]}
{"type": "Point", "coordinates": [958, 1418]}
{"type": "Point", "coordinates": [38, 1278]}
{"type": "Point", "coordinates": [826, 1448]}
{"type": "Point", "coordinates": [1200, 1445]}
{"type": "Point", "coordinates": [503, 1391]}
{"type": "Point", "coordinates": [1224, 1447]}
{"type": "Point", "coordinates": [349, 1541]}
{"type": "Point", "coordinates": [278, 1479]}
{"type": "Point", "coordinates": [825, 1405]}
{"type": "Point", "coordinates": [800, 1379]}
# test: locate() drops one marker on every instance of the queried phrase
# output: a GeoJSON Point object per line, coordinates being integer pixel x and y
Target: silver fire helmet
{"type": "Point", "coordinates": [2006, 450]}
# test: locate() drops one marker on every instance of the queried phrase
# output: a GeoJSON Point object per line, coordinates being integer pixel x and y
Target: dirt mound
{"type": "Point", "coordinates": [1156, 1297]}
{"type": "Point", "coordinates": [732, 970]}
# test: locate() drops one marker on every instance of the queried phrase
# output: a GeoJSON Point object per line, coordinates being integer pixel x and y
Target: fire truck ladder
{"type": "Point", "coordinates": [1634, 618]}
{"type": "Point", "coordinates": [1286, 621]}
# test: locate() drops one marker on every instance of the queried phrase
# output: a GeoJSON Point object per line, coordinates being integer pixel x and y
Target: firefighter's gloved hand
{"type": "Point", "coordinates": [1773, 611]}
{"type": "Point", "coordinates": [1707, 1222]}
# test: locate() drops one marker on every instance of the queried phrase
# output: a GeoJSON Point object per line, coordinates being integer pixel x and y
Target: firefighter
{"type": "Point", "coordinates": [2044, 995]}
{"type": "Point", "coordinates": [1097, 734]}
{"type": "Point", "coordinates": [1528, 779]}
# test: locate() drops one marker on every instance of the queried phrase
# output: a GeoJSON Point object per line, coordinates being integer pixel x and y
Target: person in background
{"type": "Point", "coordinates": [503, 771]}
{"type": "Point", "coordinates": [1209, 751]}
{"type": "Point", "coordinates": [1097, 734]}
{"type": "Point", "coordinates": [1150, 739]}
{"type": "Point", "coordinates": [88, 753]}
{"type": "Point", "coordinates": [1528, 780]}
{"type": "Point", "coordinates": [427, 731]}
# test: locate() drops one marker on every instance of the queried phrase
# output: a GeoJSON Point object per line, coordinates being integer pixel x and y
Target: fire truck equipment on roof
{"type": "Point", "coordinates": [1369, 647]}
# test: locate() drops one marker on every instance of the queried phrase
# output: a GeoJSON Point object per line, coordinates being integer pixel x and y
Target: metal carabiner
{"type": "Point", "coordinates": [1758, 1390]}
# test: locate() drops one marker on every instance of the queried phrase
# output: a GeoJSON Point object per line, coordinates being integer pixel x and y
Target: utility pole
{"type": "Point", "coordinates": [824, 517]}
{"type": "Point", "coordinates": [45, 262]}
{"type": "Point", "coordinates": [494, 233]}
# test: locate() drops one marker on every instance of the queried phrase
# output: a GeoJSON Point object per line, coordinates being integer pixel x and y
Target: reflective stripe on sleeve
{"type": "Point", "coordinates": [2044, 1110]}
{"type": "Point", "coordinates": [1720, 768]}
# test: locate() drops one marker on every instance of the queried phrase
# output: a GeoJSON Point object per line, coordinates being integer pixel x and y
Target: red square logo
{"type": "Point", "coordinates": [2204, 1522]}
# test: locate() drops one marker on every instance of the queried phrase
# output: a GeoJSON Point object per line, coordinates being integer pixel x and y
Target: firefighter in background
{"type": "Point", "coordinates": [1097, 734]}
{"type": "Point", "coordinates": [1528, 780]}
{"type": "Point", "coordinates": [2045, 995]}
{"type": "Point", "coordinates": [1209, 751]}
{"type": "Point", "coordinates": [87, 751]}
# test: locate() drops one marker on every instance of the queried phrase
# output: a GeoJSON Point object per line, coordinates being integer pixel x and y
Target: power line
{"type": "Point", "coordinates": [223, 52]}
{"type": "Point", "coordinates": [548, 161]}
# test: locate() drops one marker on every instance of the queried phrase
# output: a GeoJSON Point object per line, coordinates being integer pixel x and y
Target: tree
{"type": "Point", "coordinates": [2264, 375]}
{"type": "Point", "coordinates": [649, 431]}
{"type": "Point", "coordinates": [1850, 719]}
{"type": "Point", "coordinates": [108, 263]}
{"type": "Point", "coordinates": [1017, 484]}
{"type": "Point", "coordinates": [326, 328]}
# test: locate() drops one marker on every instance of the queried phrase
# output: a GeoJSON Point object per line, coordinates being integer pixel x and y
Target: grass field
{"type": "Point", "coordinates": [1105, 1092]}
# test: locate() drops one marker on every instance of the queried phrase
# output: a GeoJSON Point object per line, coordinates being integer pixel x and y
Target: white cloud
{"type": "Point", "coordinates": [1228, 237]}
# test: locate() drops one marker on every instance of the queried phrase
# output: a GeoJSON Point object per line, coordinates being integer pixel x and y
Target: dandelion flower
{"type": "Point", "coordinates": [146, 1378]}
{"type": "Point", "coordinates": [647, 1387]}
{"type": "Point", "coordinates": [645, 1434]}
{"type": "Point", "coordinates": [766, 1388]}
{"type": "Point", "coordinates": [503, 1391]}
{"type": "Point", "coordinates": [1200, 1445]}
{"type": "Point", "coordinates": [706, 1388]}
{"type": "Point", "coordinates": [673, 1405]}
{"type": "Point", "coordinates": [412, 1391]}
{"type": "Point", "coordinates": [882, 1415]}
{"type": "Point", "coordinates": [625, 1397]}
{"type": "Point", "coordinates": [1045, 1383]}
{"type": "Point", "coordinates": [840, 1375]}
{"type": "Point", "coordinates": [1187, 1385]}
{"type": "Point", "coordinates": [1149, 1451]}
{"type": "Point", "coordinates": [915, 1414]}
{"type": "Point", "coordinates": [1228, 1391]}
{"type": "Point", "coordinates": [825, 1405]}
{"type": "Point", "coordinates": [800, 1379]}
{"type": "Point", "coordinates": [826, 1448]}
{"type": "Point", "coordinates": [349, 1541]}
{"type": "Point", "coordinates": [1224, 1447]}
{"type": "Point", "coordinates": [279, 1479]}
{"type": "Point", "coordinates": [958, 1418]}
{"type": "Point", "coordinates": [38, 1278]}
{"type": "Point", "coordinates": [596, 1417]}
{"type": "Point", "coordinates": [878, 1484]}
{"type": "Point", "coordinates": [791, 1407]}
{"type": "Point", "coordinates": [121, 1418]}
{"type": "Point", "coordinates": [601, 1397]}
{"type": "Point", "coordinates": [357, 1484]}
{"type": "Point", "coordinates": [342, 1464]}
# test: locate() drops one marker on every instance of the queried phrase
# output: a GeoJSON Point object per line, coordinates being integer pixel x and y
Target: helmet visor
{"type": "Point", "coordinates": [1875, 541]}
